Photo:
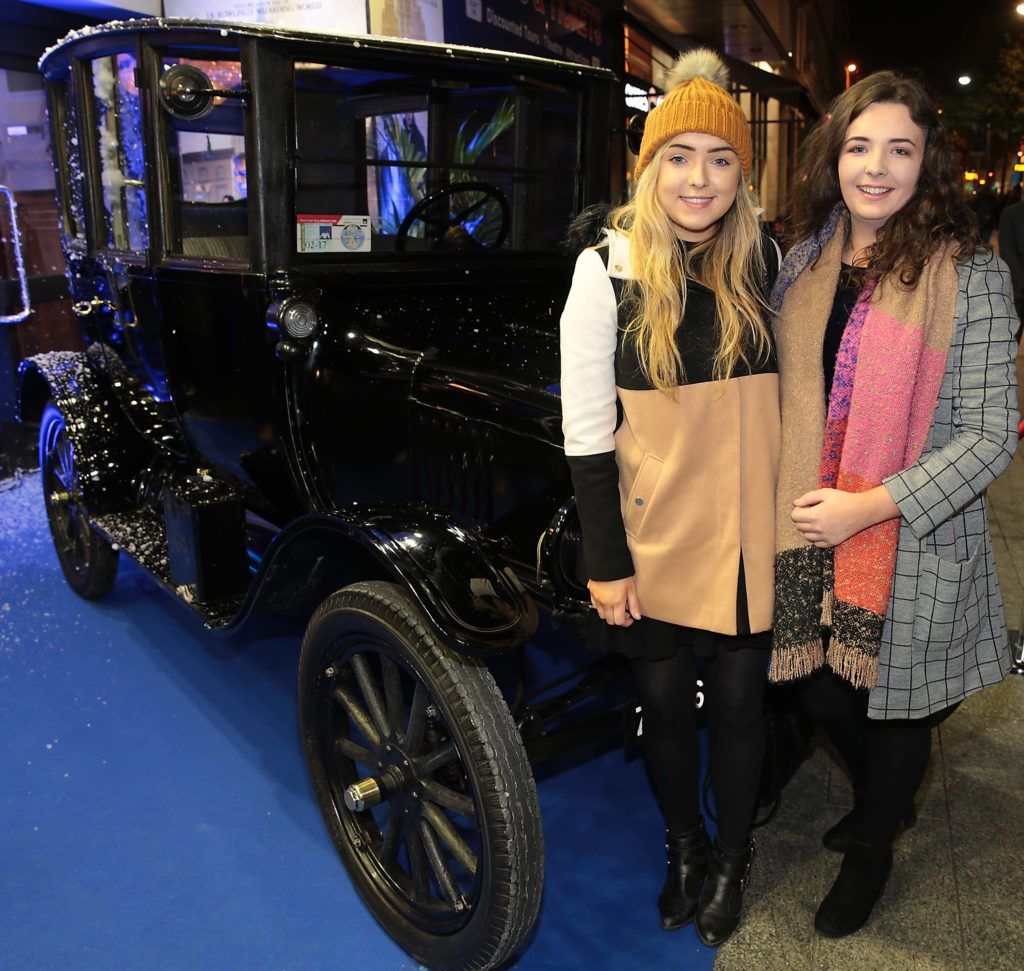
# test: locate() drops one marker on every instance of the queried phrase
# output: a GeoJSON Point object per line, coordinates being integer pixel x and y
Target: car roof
{"type": "Point", "coordinates": [51, 59]}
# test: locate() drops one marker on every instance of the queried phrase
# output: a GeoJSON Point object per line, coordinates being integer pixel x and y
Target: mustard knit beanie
{"type": "Point", "coordinates": [697, 101]}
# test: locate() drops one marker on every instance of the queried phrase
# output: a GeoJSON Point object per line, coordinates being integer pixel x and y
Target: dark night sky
{"type": "Point", "coordinates": [941, 38]}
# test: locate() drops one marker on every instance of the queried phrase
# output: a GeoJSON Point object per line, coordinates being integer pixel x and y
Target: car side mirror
{"type": "Point", "coordinates": [188, 93]}
{"type": "Point", "coordinates": [635, 131]}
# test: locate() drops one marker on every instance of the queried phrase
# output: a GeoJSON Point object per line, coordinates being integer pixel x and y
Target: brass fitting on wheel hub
{"type": "Point", "coordinates": [363, 795]}
{"type": "Point", "coordinates": [375, 789]}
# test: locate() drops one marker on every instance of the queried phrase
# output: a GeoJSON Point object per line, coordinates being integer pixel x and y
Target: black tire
{"type": "Point", "coordinates": [373, 675]}
{"type": "Point", "coordinates": [89, 562]}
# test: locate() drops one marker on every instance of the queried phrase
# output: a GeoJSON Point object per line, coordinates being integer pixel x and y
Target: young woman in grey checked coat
{"type": "Point", "coordinates": [895, 336]}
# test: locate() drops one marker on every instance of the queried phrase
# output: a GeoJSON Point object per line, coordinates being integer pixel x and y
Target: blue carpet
{"type": "Point", "coordinates": [155, 811]}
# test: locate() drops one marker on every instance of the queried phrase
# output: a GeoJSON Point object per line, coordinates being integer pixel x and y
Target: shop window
{"type": "Point", "coordinates": [382, 159]}
{"type": "Point", "coordinates": [209, 190]}
{"type": "Point", "coordinates": [122, 167]}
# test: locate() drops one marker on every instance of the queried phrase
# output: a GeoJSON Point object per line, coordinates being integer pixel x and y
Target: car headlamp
{"type": "Point", "coordinates": [298, 317]}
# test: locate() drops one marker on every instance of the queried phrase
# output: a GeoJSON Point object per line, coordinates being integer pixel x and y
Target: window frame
{"type": "Point", "coordinates": [60, 100]}
{"type": "Point", "coordinates": [427, 74]}
{"type": "Point", "coordinates": [162, 131]}
{"type": "Point", "coordinates": [92, 165]}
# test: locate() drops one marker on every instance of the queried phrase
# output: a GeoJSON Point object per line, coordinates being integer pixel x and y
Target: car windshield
{"type": "Point", "coordinates": [388, 161]}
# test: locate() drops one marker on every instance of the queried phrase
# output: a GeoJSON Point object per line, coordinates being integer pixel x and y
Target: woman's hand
{"type": "Point", "coordinates": [615, 600]}
{"type": "Point", "coordinates": [827, 517]}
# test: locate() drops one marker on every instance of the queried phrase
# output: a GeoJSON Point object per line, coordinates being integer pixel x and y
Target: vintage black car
{"type": "Point", "coordinates": [319, 284]}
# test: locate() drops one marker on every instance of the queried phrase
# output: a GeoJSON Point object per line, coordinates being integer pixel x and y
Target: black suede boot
{"type": "Point", "coordinates": [687, 867]}
{"type": "Point", "coordinates": [718, 913]}
{"type": "Point", "coordinates": [862, 876]}
{"type": "Point", "coordinates": [837, 838]}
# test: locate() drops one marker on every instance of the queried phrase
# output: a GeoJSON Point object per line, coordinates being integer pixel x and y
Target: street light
{"type": "Point", "coordinates": [1020, 9]}
{"type": "Point", "coordinates": [965, 79]}
{"type": "Point", "coordinates": [851, 68]}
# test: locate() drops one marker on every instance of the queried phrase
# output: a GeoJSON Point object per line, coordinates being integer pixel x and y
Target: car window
{"type": "Point", "coordinates": [118, 132]}
{"type": "Point", "coordinates": [388, 161]}
{"type": "Point", "coordinates": [71, 182]}
{"type": "Point", "coordinates": [209, 215]}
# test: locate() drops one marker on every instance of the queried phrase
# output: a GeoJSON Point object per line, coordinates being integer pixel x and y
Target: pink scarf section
{"type": "Point", "coordinates": [888, 373]}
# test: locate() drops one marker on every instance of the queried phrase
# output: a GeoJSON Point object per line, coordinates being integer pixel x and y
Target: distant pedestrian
{"type": "Point", "coordinates": [895, 341]}
{"type": "Point", "coordinates": [986, 208]}
{"type": "Point", "coordinates": [1011, 249]}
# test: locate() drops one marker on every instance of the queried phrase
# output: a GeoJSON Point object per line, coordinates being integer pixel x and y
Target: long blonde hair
{"type": "Point", "coordinates": [732, 268]}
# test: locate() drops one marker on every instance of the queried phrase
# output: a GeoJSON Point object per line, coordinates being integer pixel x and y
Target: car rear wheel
{"type": "Point", "coordinates": [89, 562]}
{"type": "Point", "coordinates": [422, 779]}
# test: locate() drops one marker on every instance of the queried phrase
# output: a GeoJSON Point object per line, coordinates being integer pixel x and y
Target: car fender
{"type": "Point", "coordinates": [108, 452]}
{"type": "Point", "coordinates": [475, 604]}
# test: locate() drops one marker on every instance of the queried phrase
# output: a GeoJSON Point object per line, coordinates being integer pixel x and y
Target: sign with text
{"type": "Point", "coordinates": [570, 30]}
{"type": "Point", "coordinates": [412, 19]}
{"type": "Point", "coordinates": [324, 16]}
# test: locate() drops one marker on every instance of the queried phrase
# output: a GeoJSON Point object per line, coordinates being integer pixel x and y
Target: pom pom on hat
{"type": "Point", "coordinates": [701, 62]}
{"type": "Point", "coordinates": [698, 101]}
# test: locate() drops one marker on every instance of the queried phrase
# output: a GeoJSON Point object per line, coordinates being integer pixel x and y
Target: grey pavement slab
{"type": "Point", "coordinates": [988, 852]}
{"type": "Point", "coordinates": [805, 798]}
{"type": "Point", "coordinates": [1001, 701]}
{"type": "Point", "coordinates": [983, 746]}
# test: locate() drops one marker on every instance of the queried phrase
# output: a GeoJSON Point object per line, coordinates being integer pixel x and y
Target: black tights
{"type": "Point", "coordinates": [734, 695]}
{"type": "Point", "coordinates": [887, 759]}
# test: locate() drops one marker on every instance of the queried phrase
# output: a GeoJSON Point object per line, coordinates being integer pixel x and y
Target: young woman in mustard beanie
{"type": "Point", "coordinates": [671, 423]}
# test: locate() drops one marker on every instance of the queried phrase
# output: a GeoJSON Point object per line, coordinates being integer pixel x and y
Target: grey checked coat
{"type": "Point", "coordinates": [945, 632]}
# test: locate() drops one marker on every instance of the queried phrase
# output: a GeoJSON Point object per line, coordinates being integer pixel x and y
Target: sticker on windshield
{"type": "Point", "coordinates": [333, 234]}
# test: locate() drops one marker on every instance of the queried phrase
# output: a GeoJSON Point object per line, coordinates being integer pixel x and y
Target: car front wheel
{"type": "Point", "coordinates": [89, 562]}
{"type": "Point", "coordinates": [422, 779]}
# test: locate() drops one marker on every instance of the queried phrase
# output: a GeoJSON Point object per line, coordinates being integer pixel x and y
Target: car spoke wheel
{"type": "Point", "coordinates": [422, 779]}
{"type": "Point", "coordinates": [89, 562]}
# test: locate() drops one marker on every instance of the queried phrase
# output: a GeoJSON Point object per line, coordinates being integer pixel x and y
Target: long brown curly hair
{"type": "Point", "coordinates": [937, 214]}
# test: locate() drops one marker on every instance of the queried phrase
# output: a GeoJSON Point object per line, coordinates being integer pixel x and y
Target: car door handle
{"type": "Point", "coordinates": [83, 308]}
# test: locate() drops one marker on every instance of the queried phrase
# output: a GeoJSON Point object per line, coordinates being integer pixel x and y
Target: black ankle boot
{"type": "Point", "coordinates": [687, 867]}
{"type": "Point", "coordinates": [838, 837]}
{"type": "Point", "coordinates": [862, 876]}
{"type": "Point", "coordinates": [718, 913]}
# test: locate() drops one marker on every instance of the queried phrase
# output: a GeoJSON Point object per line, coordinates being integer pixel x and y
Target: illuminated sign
{"type": "Point", "coordinates": [636, 97]}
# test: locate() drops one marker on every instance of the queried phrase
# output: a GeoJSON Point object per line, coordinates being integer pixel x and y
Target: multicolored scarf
{"type": "Point", "coordinates": [887, 378]}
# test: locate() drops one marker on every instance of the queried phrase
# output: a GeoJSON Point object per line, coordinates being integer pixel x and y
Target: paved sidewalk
{"type": "Point", "coordinates": [954, 900]}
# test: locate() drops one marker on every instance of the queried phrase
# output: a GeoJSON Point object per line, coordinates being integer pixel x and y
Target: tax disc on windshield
{"type": "Point", "coordinates": [319, 233]}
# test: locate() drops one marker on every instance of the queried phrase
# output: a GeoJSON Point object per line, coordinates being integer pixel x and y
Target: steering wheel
{"type": "Point", "coordinates": [456, 227]}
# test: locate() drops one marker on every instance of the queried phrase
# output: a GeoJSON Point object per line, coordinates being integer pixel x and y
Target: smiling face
{"type": "Point", "coordinates": [698, 178]}
{"type": "Point", "coordinates": [879, 166]}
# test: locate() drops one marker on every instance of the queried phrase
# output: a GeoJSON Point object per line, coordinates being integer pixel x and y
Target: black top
{"type": "Point", "coordinates": [846, 296]}
{"type": "Point", "coordinates": [698, 333]}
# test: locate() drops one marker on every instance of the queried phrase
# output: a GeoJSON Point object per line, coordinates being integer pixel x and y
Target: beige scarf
{"type": "Point", "coordinates": [888, 373]}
